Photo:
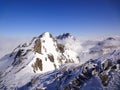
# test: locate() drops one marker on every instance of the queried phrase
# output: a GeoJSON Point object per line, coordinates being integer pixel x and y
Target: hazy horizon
{"type": "Point", "coordinates": [8, 44]}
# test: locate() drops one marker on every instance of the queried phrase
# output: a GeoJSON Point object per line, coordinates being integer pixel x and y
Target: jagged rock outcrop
{"type": "Point", "coordinates": [65, 36]}
{"type": "Point", "coordinates": [79, 77]}
{"type": "Point", "coordinates": [37, 65]}
{"type": "Point", "coordinates": [37, 46]}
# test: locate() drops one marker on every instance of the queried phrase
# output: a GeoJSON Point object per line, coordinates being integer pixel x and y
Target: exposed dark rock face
{"type": "Point", "coordinates": [114, 67]}
{"type": "Point", "coordinates": [104, 78]}
{"type": "Point", "coordinates": [60, 47]}
{"type": "Point", "coordinates": [64, 36]}
{"type": "Point", "coordinates": [37, 65]}
{"type": "Point", "coordinates": [55, 66]}
{"type": "Point", "coordinates": [19, 53]}
{"type": "Point", "coordinates": [69, 61]}
{"type": "Point", "coordinates": [100, 71]}
{"type": "Point", "coordinates": [13, 52]}
{"type": "Point", "coordinates": [37, 47]}
{"type": "Point", "coordinates": [110, 38]}
{"type": "Point", "coordinates": [17, 56]}
{"type": "Point", "coordinates": [118, 61]}
{"type": "Point", "coordinates": [106, 64]}
{"type": "Point", "coordinates": [51, 57]}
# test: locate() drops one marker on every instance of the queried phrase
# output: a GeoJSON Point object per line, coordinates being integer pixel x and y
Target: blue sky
{"type": "Point", "coordinates": [26, 18]}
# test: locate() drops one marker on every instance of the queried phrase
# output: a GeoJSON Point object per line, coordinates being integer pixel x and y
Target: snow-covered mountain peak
{"type": "Point", "coordinates": [46, 34]}
{"type": "Point", "coordinates": [44, 45]}
{"type": "Point", "coordinates": [65, 36]}
{"type": "Point", "coordinates": [42, 54]}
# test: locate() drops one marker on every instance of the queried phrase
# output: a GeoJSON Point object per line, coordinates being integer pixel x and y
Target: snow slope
{"type": "Point", "coordinates": [99, 74]}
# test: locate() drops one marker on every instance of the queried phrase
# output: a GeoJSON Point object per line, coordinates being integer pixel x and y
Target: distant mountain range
{"type": "Point", "coordinates": [62, 63]}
